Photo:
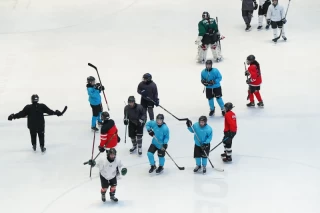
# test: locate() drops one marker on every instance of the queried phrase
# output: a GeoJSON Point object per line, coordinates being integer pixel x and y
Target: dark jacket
{"type": "Point", "coordinates": [135, 113]}
{"type": "Point", "coordinates": [248, 4]}
{"type": "Point", "coordinates": [35, 115]}
{"type": "Point", "coordinates": [150, 90]}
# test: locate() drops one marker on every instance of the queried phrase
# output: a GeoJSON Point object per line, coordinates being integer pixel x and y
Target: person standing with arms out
{"type": "Point", "coordinates": [203, 132]}
{"type": "Point", "coordinates": [160, 130]}
{"type": "Point", "coordinates": [108, 173]}
{"type": "Point", "coordinates": [135, 117]}
{"type": "Point", "coordinates": [211, 78]}
{"type": "Point", "coordinates": [262, 12]}
{"type": "Point", "coordinates": [254, 81]}
{"type": "Point", "coordinates": [94, 89]}
{"type": "Point", "coordinates": [230, 130]}
{"type": "Point", "coordinates": [208, 37]}
{"type": "Point", "coordinates": [276, 17]}
{"type": "Point", "coordinates": [148, 89]}
{"type": "Point", "coordinates": [247, 11]}
{"type": "Point", "coordinates": [36, 122]}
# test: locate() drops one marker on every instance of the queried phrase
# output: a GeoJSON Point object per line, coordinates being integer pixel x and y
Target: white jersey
{"type": "Point", "coordinates": [108, 170]}
{"type": "Point", "coordinates": [275, 13]}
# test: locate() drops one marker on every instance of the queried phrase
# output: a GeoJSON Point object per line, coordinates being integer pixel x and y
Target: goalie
{"type": "Point", "coordinates": [208, 38]}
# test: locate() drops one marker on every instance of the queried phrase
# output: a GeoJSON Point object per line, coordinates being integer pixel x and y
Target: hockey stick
{"type": "Point", "coordinates": [94, 140]}
{"type": "Point", "coordinates": [94, 67]}
{"type": "Point", "coordinates": [180, 168]}
{"type": "Point", "coordinates": [276, 39]}
{"type": "Point", "coordinates": [179, 119]}
{"type": "Point", "coordinates": [218, 31]}
{"type": "Point", "coordinates": [63, 111]}
{"type": "Point", "coordinates": [218, 145]}
{"type": "Point", "coordinates": [125, 134]}
{"type": "Point", "coordinates": [220, 170]}
{"type": "Point", "coordinates": [245, 69]}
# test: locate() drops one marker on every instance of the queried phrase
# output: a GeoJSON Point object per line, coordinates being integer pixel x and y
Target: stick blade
{"type": "Point", "coordinates": [91, 65]}
{"type": "Point", "coordinates": [181, 168]}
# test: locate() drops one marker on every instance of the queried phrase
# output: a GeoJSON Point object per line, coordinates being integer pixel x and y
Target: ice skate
{"type": "Point", "coordinates": [34, 148]}
{"type": "Point", "coordinates": [153, 167]}
{"type": "Point", "coordinates": [268, 26]}
{"type": "Point", "coordinates": [140, 151]}
{"type": "Point", "coordinates": [133, 149]}
{"type": "Point", "coordinates": [284, 38]}
{"type": "Point", "coordinates": [43, 149]}
{"type": "Point", "coordinates": [113, 198]}
{"type": "Point", "coordinates": [211, 113]}
{"type": "Point", "coordinates": [204, 170]}
{"type": "Point", "coordinates": [94, 128]}
{"type": "Point", "coordinates": [227, 159]}
{"type": "Point", "coordinates": [260, 104]}
{"type": "Point", "coordinates": [223, 155]}
{"type": "Point", "coordinates": [259, 27]}
{"type": "Point", "coordinates": [251, 104]}
{"type": "Point", "coordinates": [248, 28]}
{"type": "Point", "coordinates": [103, 197]}
{"type": "Point", "coordinates": [197, 168]}
{"type": "Point", "coordinates": [159, 170]}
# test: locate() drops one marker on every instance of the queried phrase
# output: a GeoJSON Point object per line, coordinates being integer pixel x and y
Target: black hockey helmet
{"type": "Point", "coordinates": [91, 80]}
{"type": "Point", "coordinates": [34, 98]}
{"type": "Point", "coordinates": [105, 116]}
{"type": "Point", "coordinates": [251, 58]}
{"type": "Point", "coordinates": [112, 151]}
{"type": "Point", "coordinates": [147, 77]}
{"type": "Point", "coordinates": [131, 99]}
{"type": "Point", "coordinates": [209, 65]}
{"type": "Point", "coordinates": [203, 118]}
{"type": "Point", "coordinates": [205, 15]}
{"type": "Point", "coordinates": [159, 119]}
{"type": "Point", "coordinates": [228, 106]}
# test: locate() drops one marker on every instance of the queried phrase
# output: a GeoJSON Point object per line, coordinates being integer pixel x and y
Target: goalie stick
{"type": "Point", "coordinates": [94, 67]}
{"type": "Point", "coordinates": [276, 39]}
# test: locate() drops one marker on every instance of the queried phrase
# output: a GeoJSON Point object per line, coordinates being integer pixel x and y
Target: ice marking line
{"type": "Point", "coordinates": [75, 25]}
{"type": "Point", "coordinates": [138, 164]}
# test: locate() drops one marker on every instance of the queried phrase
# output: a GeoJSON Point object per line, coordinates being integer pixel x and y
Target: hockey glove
{"type": "Point", "coordinates": [101, 149]}
{"type": "Point", "coordinates": [204, 82]}
{"type": "Point", "coordinates": [101, 88]}
{"type": "Point", "coordinates": [92, 163]}
{"type": "Point", "coordinates": [284, 21]}
{"type": "Point", "coordinates": [268, 21]}
{"type": "Point", "coordinates": [198, 41]}
{"type": "Point", "coordinates": [58, 113]}
{"type": "Point", "coordinates": [246, 73]}
{"type": "Point", "coordinates": [157, 102]}
{"type": "Point", "coordinates": [126, 121]}
{"type": "Point", "coordinates": [164, 147]}
{"type": "Point", "coordinates": [151, 132]}
{"type": "Point", "coordinates": [124, 171]}
{"type": "Point", "coordinates": [248, 81]}
{"type": "Point", "coordinates": [218, 35]}
{"type": "Point", "coordinates": [255, 5]}
{"type": "Point", "coordinates": [11, 117]}
{"type": "Point", "coordinates": [141, 122]}
{"type": "Point", "coordinates": [119, 139]}
{"type": "Point", "coordinates": [189, 123]}
{"type": "Point", "coordinates": [210, 83]}
{"type": "Point", "coordinates": [204, 146]}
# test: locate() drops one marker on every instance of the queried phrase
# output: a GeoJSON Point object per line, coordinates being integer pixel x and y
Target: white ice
{"type": "Point", "coordinates": [45, 47]}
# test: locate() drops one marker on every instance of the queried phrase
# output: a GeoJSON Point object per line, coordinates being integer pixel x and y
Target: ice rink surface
{"type": "Point", "coordinates": [44, 49]}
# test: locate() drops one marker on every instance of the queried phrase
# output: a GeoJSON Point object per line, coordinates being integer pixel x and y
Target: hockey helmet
{"type": "Point", "coordinates": [228, 106]}
{"type": "Point", "coordinates": [147, 77]}
{"type": "Point", "coordinates": [203, 119]}
{"type": "Point", "coordinates": [113, 152]}
{"type": "Point", "coordinates": [105, 116]}
{"type": "Point", "coordinates": [160, 118]}
{"type": "Point", "coordinates": [34, 98]}
{"type": "Point", "coordinates": [91, 80]}
{"type": "Point", "coordinates": [205, 15]}
{"type": "Point", "coordinates": [250, 59]}
{"type": "Point", "coordinates": [209, 64]}
{"type": "Point", "coordinates": [131, 99]}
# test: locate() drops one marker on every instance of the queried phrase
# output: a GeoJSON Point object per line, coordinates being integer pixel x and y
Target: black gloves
{"type": "Point", "coordinates": [189, 123]}
{"type": "Point", "coordinates": [246, 73]}
{"type": "Point", "coordinates": [268, 21]}
{"type": "Point", "coordinates": [204, 146]}
{"type": "Point", "coordinates": [58, 113]}
{"type": "Point", "coordinates": [126, 121]}
{"type": "Point", "coordinates": [98, 86]}
{"type": "Point", "coordinates": [151, 133]}
{"type": "Point", "coordinates": [255, 5]}
{"type": "Point", "coordinates": [101, 149]}
{"type": "Point", "coordinates": [248, 81]}
{"type": "Point", "coordinates": [164, 147]}
{"type": "Point", "coordinates": [119, 139]}
{"type": "Point", "coordinates": [156, 102]}
{"type": "Point", "coordinates": [12, 116]}
{"type": "Point", "coordinates": [92, 163]}
{"type": "Point", "coordinates": [210, 83]}
{"type": "Point", "coordinates": [204, 82]}
{"type": "Point", "coordinates": [284, 21]}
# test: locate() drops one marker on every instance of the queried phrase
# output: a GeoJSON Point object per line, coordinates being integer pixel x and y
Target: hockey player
{"type": "Point", "coordinates": [276, 17]}
{"type": "Point", "coordinates": [108, 171]}
{"type": "Point", "coordinates": [254, 81]}
{"type": "Point", "coordinates": [262, 12]}
{"type": "Point", "coordinates": [247, 11]}
{"type": "Point", "coordinates": [160, 132]}
{"type": "Point", "coordinates": [230, 130]}
{"type": "Point", "coordinates": [148, 90]}
{"type": "Point", "coordinates": [108, 134]}
{"type": "Point", "coordinates": [94, 91]}
{"type": "Point", "coordinates": [203, 132]}
{"type": "Point", "coordinates": [135, 117]}
{"type": "Point", "coordinates": [36, 123]}
{"type": "Point", "coordinates": [208, 37]}
{"type": "Point", "coordinates": [211, 78]}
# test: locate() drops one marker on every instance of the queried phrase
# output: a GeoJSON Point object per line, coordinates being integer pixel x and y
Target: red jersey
{"type": "Point", "coordinates": [255, 75]}
{"type": "Point", "coordinates": [230, 122]}
{"type": "Point", "coordinates": [108, 131]}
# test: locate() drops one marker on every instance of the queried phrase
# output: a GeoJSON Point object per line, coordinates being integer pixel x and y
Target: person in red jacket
{"type": "Point", "coordinates": [108, 134]}
{"type": "Point", "coordinates": [230, 130]}
{"type": "Point", "coordinates": [254, 80]}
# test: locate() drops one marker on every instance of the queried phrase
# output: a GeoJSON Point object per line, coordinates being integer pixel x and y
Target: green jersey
{"type": "Point", "coordinates": [204, 26]}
